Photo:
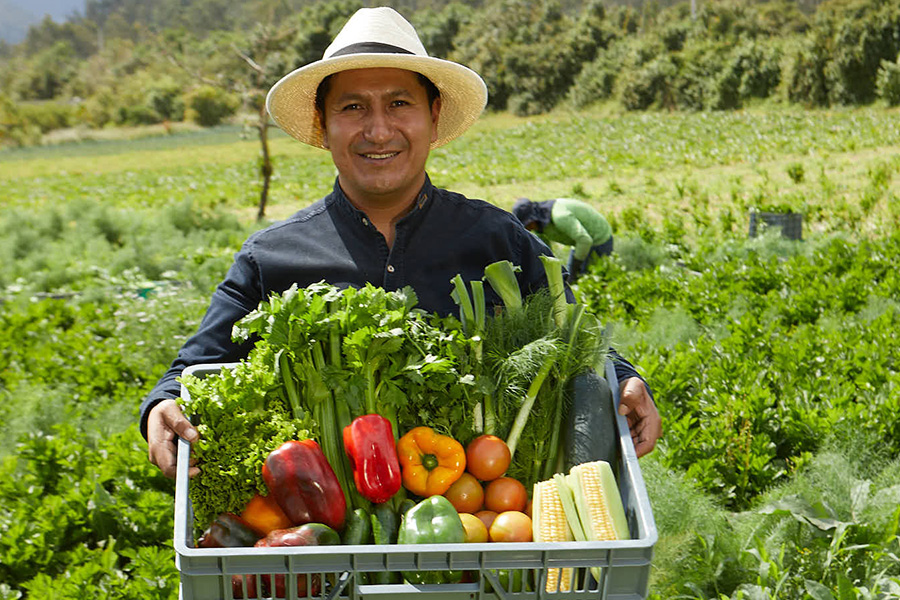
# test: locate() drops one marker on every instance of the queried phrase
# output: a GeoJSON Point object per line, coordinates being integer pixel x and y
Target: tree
{"type": "Point", "coordinates": [246, 67]}
{"type": "Point", "coordinates": [267, 45]}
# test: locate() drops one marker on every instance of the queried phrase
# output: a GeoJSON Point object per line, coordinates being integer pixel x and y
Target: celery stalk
{"type": "Point", "coordinates": [553, 269]}
{"type": "Point", "coordinates": [502, 277]}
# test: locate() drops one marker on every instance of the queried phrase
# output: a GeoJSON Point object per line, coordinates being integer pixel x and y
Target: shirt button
{"type": "Point", "coordinates": [390, 268]}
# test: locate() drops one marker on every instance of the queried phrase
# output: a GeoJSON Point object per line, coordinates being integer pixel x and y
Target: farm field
{"type": "Point", "coordinates": [774, 362]}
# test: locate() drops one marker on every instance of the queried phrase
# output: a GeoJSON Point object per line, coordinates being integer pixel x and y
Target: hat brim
{"type": "Point", "coordinates": [291, 101]}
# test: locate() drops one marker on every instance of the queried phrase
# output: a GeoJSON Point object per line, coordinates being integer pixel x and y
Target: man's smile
{"type": "Point", "coordinates": [380, 156]}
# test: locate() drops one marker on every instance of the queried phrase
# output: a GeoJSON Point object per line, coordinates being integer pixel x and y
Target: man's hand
{"type": "Point", "coordinates": [165, 423]}
{"type": "Point", "coordinates": [644, 421]}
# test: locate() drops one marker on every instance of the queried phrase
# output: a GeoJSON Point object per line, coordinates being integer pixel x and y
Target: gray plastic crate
{"type": "Point", "coordinates": [624, 566]}
{"type": "Point", "coordinates": [791, 224]}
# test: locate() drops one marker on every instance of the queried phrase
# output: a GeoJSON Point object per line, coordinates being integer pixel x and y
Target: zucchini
{"type": "Point", "coordinates": [590, 431]}
{"type": "Point", "coordinates": [385, 528]}
{"type": "Point", "coordinates": [358, 528]}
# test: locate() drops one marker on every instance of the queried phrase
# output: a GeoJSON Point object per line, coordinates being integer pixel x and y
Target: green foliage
{"type": "Point", "coordinates": [83, 513]}
{"type": "Point", "coordinates": [860, 35]}
{"type": "Point", "coordinates": [529, 53]}
{"type": "Point", "coordinates": [231, 408]}
{"type": "Point", "coordinates": [209, 106]}
{"type": "Point", "coordinates": [785, 340]}
{"type": "Point", "coordinates": [438, 29]}
{"type": "Point", "coordinates": [832, 529]}
{"type": "Point", "coordinates": [796, 172]}
{"type": "Point", "coordinates": [15, 129]}
{"type": "Point", "coordinates": [533, 55]}
{"type": "Point", "coordinates": [887, 83]}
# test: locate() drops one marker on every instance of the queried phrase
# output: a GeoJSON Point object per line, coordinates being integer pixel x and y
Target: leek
{"type": "Point", "coordinates": [502, 277]}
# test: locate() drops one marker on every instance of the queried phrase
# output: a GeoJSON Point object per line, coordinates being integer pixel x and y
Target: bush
{"type": "Point", "coordinates": [48, 116]}
{"type": "Point", "coordinates": [650, 85]}
{"type": "Point", "coordinates": [597, 80]}
{"type": "Point", "coordinates": [887, 82]}
{"type": "Point", "coordinates": [166, 101]}
{"type": "Point", "coordinates": [15, 130]}
{"type": "Point", "coordinates": [862, 34]}
{"type": "Point", "coordinates": [208, 106]}
{"type": "Point", "coordinates": [804, 76]}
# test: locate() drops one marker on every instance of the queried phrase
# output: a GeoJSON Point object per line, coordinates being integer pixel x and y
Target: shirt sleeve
{"type": "Point", "coordinates": [625, 370]}
{"type": "Point", "coordinates": [236, 296]}
{"type": "Point", "coordinates": [569, 225]}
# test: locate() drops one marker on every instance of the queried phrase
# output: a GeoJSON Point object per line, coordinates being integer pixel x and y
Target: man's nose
{"type": "Point", "coordinates": [378, 127]}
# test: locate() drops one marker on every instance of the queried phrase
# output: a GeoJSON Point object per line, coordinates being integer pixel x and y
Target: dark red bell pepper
{"type": "Point", "coordinates": [311, 534]}
{"type": "Point", "coordinates": [369, 442]}
{"type": "Point", "coordinates": [228, 531]}
{"type": "Point", "coordinates": [304, 484]}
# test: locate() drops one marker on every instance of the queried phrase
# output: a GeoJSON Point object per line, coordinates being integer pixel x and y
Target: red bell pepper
{"type": "Point", "coordinates": [311, 534]}
{"type": "Point", "coordinates": [304, 484]}
{"type": "Point", "coordinates": [369, 442]}
{"type": "Point", "coordinates": [228, 531]}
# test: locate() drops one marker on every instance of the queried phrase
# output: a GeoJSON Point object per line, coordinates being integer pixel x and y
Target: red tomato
{"type": "Point", "coordinates": [487, 517]}
{"type": "Point", "coordinates": [511, 526]}
{"type": "Point", "coordinates": [505, 494]}
{"type": "Point", "coordinates": [487, 457]}
{"type": "Point", "coordinates": [466, 494]}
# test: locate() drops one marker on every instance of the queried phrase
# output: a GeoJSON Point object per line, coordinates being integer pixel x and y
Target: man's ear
{"type": "Point", "coordinates": [435, 115]}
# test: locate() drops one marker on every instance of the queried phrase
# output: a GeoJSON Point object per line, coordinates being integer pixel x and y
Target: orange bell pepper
{"type": "Point", "coordinates": [263, 514]}
{"type": "Point", "coordinates": [430, 462]}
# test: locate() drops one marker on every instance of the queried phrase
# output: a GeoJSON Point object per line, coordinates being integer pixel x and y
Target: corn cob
{"type": "Point", "coordinates": [550, 524]}
{"type": "Point", "coordinates": [598, 501]}
{"type": "Point", "coordinates": [584, 505]}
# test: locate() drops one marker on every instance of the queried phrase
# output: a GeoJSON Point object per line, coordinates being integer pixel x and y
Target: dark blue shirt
{"type": "Point", "coordinates": [444, 234]}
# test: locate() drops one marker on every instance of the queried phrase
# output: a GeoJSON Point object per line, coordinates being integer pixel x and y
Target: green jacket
{"type": "Point", "coordinates": [577, 224]}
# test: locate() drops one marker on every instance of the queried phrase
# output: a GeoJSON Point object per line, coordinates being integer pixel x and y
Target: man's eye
{"type": "Point", "coordinates": [399, 103]}
{"type": "Point", "coordinates": [351, 106]}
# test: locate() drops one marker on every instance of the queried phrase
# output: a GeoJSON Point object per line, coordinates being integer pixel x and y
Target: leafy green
{"type": "Point", "coordinates": [338, 354]}
{"type": "Point", "coordinates": [240, 422]}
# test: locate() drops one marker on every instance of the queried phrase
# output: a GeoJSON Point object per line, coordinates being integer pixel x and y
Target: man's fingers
{"type": "Point", "coordinates": [162, 455]}
{"type": "Point", "coordinates": [644, 447]}
{"type": "Point", "coordinates": [165, 422]}
{"type": "Point", "coordinates": [175, 420]}
{"type": "Point", "coordinates": [643, 418]}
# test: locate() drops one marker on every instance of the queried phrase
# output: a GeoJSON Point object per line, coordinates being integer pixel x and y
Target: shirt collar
{"type": "Point", "coordinates": [424, 199]}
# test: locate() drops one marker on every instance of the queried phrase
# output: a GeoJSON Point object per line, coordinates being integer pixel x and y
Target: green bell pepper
{"type": "Point", "coordinates": [432, 521]}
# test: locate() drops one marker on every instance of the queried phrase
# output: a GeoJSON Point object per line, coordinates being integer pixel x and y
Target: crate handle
{"type": "Point", "coordinates": [440, 591]}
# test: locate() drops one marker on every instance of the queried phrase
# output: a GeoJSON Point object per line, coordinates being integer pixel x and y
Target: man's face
{"type": "Point", "coordinates": [379, 127]}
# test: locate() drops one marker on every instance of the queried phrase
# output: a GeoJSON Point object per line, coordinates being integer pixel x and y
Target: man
{"type": "Point", "coordinates": [571, 223]}
{"type": "Point", "coordinates": [378, 103]}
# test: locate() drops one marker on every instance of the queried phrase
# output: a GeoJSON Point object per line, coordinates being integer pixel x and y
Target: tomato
{"type": "Point", "coordinates": [487, 457]}
{"type": "Point", "coordinates": [487, 517]}
{"type": "Point", "coordinates": [476, 530]}
{"type": "Point", "coordinates": [511, 526]}
{"type": "Point", "coordinates": [505, 493]}
{"type": "Point", "coordinates": [466, 494]}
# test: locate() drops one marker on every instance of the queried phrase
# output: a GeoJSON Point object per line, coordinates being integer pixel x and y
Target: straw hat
{"type": "Point", "coordinates": [372, 38]}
